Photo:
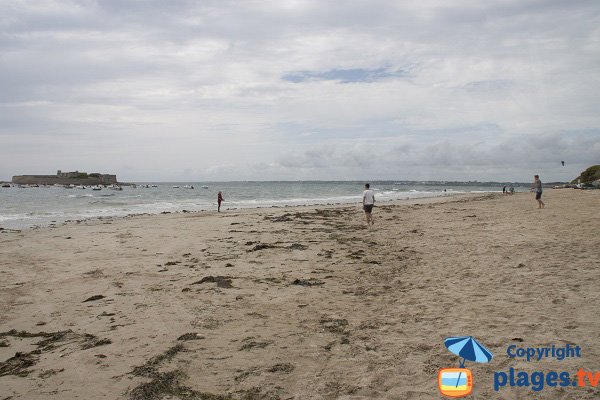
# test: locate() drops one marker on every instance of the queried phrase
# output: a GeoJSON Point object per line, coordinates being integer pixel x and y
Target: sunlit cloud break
{"type": "Point", "coordinates": [345, 75]}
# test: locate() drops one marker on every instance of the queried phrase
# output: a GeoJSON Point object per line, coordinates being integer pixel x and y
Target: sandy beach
{"type": "Point", "coordinates": [300, 303]}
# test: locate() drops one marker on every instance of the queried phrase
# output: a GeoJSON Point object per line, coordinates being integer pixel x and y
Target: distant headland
{"type": "Point", "coordinates": [66, 178]}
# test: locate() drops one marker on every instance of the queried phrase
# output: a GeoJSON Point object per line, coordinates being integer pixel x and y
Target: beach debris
{"type": "Point", "coordinates": [208, 323]}
{"type": "Point", "coordinates": [150, 367]}
{"type": "Point", "coordinates": [262, 246]}
{"type": "Point", "coordinates": [297, 246]}
{"type": "Point", "coordinates": [326, 253]}
{"type": "Point", "coordinates": [517, 339]}
{"type": "Point", "coordinates": [96, 273]}
{"type": "Point", "coordinates": [49, 372]}
{"type": "Point", "coordinates": [333, 325]}
{"type": "Point", "coordinates": [94, 298]}
{"type": "Point", "coordinates": [254, 344]}
{"type": "Point", "coordinates": [4, 343]}
{"type": "Point", "coordinates": [169, 263]}
{"type": "Point", "coordinates": [167, 385]}
{"type": "Point", "coordinates": [221, 281]}
{"type": "Point", "coordinates": [228, 265]}
{"type": "Point", "coordinates": [307, 282]}
{"type": "Point", "coordinates": [190, 336]}
{"type": "Point", "coordinates": [282, 218]}
{"type": "Point", "coordinates": [244, 374]}
{"type": "Point", "coordinates": [286, 368]}
{"type": "Point", "coordinates": [18, 364]}
{"type": "Point", "coordinates": [93, 341]}
{"type": "Point", "coordinates": [357, 255]}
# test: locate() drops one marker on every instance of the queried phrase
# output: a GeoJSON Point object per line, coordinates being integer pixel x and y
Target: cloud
{"type": "Point", "coordinates": [225, 89]}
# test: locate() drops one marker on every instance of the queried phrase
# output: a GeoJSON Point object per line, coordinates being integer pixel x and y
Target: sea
{"type": "Point", "coordinates": [30, 207]}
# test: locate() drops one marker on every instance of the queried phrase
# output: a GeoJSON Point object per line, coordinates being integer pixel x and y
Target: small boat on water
{"type": "Point", "coordinates": [175, 187]}
{"type": "Point", "coordinates": [80, 187]}
{"type": "Point", "coordinates": [152, 185]}
{"type": "Point", "coordinates": [188, 187]}
{"type": "Point", "coordinates": [204, 187]}
{"type": "Point", "coordinates": [6, 185]}
{"type": "Point", "coordinates": [115, 187]}
{"type": "Point", "coordinates": [96, 188]}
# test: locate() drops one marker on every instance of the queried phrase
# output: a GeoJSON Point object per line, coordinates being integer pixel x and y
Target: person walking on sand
{"type": "Point", "coordinates": [537, 186]}
{"type": "Point", "coordinates": [368, 203]}
{"type": "Point", "coordinates": [219, 201]}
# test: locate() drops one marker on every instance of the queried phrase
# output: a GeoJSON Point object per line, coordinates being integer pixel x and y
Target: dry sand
{"type": "Point", "coordinates": [300, 303]}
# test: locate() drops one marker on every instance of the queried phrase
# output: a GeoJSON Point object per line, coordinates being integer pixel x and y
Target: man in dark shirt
{"type": "Point", "coordinates": [537, 186]}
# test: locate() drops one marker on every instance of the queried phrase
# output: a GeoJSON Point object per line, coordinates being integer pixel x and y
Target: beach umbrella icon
{"type": "Point", "coordinates": [469, 349]}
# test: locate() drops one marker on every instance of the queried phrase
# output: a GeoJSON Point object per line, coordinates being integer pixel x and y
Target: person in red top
{"type": "Point", "coordinates": [219, 201]}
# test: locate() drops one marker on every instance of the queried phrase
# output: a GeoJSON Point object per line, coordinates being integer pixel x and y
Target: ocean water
{"type": "Point", "coordinates": [26, 207]}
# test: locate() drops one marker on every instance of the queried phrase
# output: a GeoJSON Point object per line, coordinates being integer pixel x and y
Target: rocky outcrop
{"type": "Point", "coordinates": [54, 179]}
{"type": "Point", "coordinates": [590, 175]}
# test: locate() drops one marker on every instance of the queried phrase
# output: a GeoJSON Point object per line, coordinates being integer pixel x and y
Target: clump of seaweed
{"type": "Point", "coordinates": [18, 364]}
{"type": "Point", "coordinates": [150, 367]}
{"type": "Point", "coordinates": [334, 325]}
{"type": "Point", "coordinates": [307, 282]}
{"type": "Point", "coordinates": [168, 383]}
{"type": "Point", "coordinates": [221, 281]}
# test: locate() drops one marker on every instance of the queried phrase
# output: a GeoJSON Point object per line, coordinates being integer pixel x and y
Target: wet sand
{"type": "Point", "coordinates": [300, 303]}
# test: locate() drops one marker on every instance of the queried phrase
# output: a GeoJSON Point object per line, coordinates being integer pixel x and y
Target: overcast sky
{"type": "Point", "coordinates": [261, 90]}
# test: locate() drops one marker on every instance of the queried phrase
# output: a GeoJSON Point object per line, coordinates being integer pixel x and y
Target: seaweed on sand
{"type": "Point", "coordinates": [18, 364]}
{"type": "Point", "coordinates": [166, 383]}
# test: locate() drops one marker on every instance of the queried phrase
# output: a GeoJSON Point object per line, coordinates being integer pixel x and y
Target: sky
{"type": "Point", "coordinates": [300, 90]}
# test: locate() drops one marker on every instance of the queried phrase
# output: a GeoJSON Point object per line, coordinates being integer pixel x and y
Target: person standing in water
{"type": "Point", "coordinates": [219, 201]}
{"type": "Point", "coordinates": [368, 203]}
{"type": "Point", "coordinates": [537, 186]}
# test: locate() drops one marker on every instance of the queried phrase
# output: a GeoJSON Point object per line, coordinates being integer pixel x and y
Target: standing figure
{"type": "Point", "coordinates": [219, 201]}
{"type": "Point", "coordinates": [368, 203]}
{"type": "Point", "coordinates": [537, 186]}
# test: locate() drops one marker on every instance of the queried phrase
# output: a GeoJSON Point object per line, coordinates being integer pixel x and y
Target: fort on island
{"type": "Point", "coordinates": [66, 178]}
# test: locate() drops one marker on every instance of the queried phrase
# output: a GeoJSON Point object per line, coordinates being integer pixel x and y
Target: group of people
{"type": "Point", "coordinates": [368, 198]}
{"type": "Point", "coordinates": [509, 190]}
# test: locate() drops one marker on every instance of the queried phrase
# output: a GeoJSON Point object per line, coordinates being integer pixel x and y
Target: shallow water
{"type": "Point", "coordinates": [24, 207]}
